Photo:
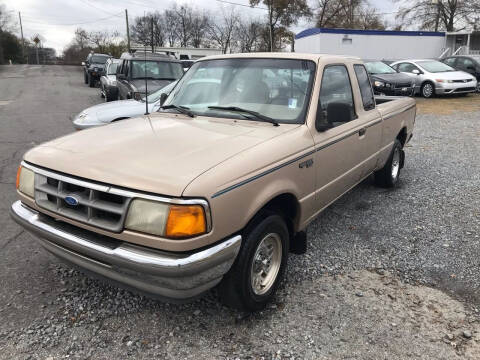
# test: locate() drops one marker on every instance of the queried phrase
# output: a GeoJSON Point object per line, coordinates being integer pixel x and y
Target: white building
{"type": "Point", "coordinates": [371, 44]}
{"type": "Point", "coordinates": [463, 43]}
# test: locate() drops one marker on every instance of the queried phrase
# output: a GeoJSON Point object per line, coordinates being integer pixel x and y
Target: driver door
{"type": "Point", "coordinates": [343, 136]}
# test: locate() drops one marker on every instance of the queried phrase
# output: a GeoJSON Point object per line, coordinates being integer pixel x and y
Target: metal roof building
{"type": "Point", "coordinates": [371, 44]}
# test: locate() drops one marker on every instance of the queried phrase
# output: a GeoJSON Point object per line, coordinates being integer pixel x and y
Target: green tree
{"type": "Point", "coordinates": [282, 13]}
{"type": "Point", "coordinates": [10, 48]}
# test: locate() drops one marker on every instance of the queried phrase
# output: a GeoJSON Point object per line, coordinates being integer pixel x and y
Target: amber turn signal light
{"type": "Point", "coordinates": [19, 171]}
{"type": "Point", "coordinates": [185, 221]}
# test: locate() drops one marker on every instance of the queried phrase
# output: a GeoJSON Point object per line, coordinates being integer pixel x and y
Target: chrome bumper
{"type": "Point", "coordinates": [167, 275]}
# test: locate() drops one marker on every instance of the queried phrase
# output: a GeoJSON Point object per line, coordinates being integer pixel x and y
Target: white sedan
{"type": "Point", "coordinates": [106, 113]}
{"type": "Point", "coordinates": [433, 77]}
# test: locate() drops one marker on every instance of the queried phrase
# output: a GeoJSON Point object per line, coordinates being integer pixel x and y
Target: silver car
{"type": "Point", "coordinates": [106, 113]}
{"type": "Point", "coordinates": [433, 77]}
{"type": "Point", "coordinates": [108, 82]}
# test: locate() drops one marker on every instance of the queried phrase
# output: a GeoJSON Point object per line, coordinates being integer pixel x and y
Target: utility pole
{"type": "Point", "coordinates": [437, 18]}
{"type": "Point", "coordinates": [23, 41]}
{"type": "Point", "coordinates": [153, 50]}
{"type": "Point", "coordinates": [128, 31]}
{"type": "Point", "coordinates": [270, 26]}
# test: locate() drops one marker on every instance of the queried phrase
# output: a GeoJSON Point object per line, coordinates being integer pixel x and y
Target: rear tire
{"type": "Point", "coordinates": [388, 176]}
{"type": "Point", "coordinates": [91, 81]}
{"type": "Point", "coordinates": [260, 265]}
{"type": "Point", "coordinates": [428, 90]}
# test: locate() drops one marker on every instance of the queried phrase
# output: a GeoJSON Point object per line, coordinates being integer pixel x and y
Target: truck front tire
{"type": "Point", "coordinates": [85, 77]}
{"type": "Point", "coordinates": [260, 265]}
{"type": "Point", "coordinates": [388, 175]}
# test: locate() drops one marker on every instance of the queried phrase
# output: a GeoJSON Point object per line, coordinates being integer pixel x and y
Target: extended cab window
{"type": "Point", "coordinates": [336, 105]}
{"type": "Point", "coordinates": [365, 87]}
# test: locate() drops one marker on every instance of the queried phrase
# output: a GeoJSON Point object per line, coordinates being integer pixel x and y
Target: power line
{"type": "Point", "coordinates": [237, 4]}
{"type": "Point", "coordinates": [79, 23]}
{"type": "Point", "coordinates": [96, 7]}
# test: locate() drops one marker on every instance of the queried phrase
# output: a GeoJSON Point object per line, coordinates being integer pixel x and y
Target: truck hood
{"type": "Point", "coordinates": [161, 153]}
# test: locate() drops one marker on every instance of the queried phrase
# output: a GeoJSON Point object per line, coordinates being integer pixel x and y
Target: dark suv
{"type": "Point", "coordinates": [136, 69]}
{"type": "Point", "coordinates": [467, 63]}
{"type": "Point", "coordinates": [94, 68]}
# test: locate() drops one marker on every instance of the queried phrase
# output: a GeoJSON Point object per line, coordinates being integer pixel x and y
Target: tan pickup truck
{"type": "Point", "coordinates": [218, 187]}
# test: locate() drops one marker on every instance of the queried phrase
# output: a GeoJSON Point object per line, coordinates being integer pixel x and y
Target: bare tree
{"type": "Point", "coordinates": [199, 26]}
{"type": "Point", "coordinates": [102, 39]}
{"type": "Point", "coordinates": [81, 38]}
{"type": "Point", "coordinates": [171, 23]}
{"type": "Point", "coordinates": [248, 35]}
{"type": "Point", "coordinates": [184, 17]}
{"type": "Point", "coordinates": [451, 14]}
{"type": "Point", "coordinates": [141, 29]}
{"type": "Point", "coordinates": [5, 18]}
{"type": "Point", "coordinates": [348, 14]}
{"type": "Point", "coordinates": [221, 30]}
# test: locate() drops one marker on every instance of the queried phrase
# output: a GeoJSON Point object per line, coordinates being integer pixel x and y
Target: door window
{"type": "Point", "coordinates": [365, 87]}
{"type": "Point", "coordinates": [336, 105]}
{"type": "Point", "coordinates": [406, 67]}
{"type": "Point", "coordinates": [466, 64]}
{"type": "Point", "coordinates": [450, 62]}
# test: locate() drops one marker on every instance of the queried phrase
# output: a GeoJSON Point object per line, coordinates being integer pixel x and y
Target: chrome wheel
{"type": "Point", "coordinates": [395, 163]}
{"type": "Point", "coordinates": [266, 263]}
{"type": "Point", "coordinates": [427, 90]}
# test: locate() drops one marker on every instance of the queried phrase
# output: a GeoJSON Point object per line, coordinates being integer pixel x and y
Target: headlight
{"type": "Point", "coordinates": [444, 81]}
{"type": "Point", "coordinates": [166, 220]}
{"type": "Point", "coordinates": [83, 118]}
{"type": "Point", "coordinates": [26, 181]}
{"type": "Point", "coordinates": [379, 84]}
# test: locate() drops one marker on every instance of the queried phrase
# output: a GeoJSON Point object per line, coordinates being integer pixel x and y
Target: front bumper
{"type": "Point", "coordinates": [404, 91]}
{"type": "Point", "coordinates": [79, 125]}
{"type": "Point", "coordinates": [171, 276]}
{"type": "Point", "coordinates": [455, 88]}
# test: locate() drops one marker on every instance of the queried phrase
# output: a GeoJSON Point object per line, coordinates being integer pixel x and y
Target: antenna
{"type": "Point", "coordinates": [145, 75]}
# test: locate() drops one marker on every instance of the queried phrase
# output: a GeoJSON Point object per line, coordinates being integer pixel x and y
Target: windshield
{"type": "Point", "coordinates": [99, 59]}
{"type": "Point", "coordinates": [156, 95]}
{"type": "Point", "coordinates": [435, 66]}
{"type": "Point", "coordinates": [379, 67]}
{"type": "Point", "coordinates": [275, 88]}
{"type": "Point", "coordinates": [157, 70]}
{"type": "Point", "coordinates": [112, 69]}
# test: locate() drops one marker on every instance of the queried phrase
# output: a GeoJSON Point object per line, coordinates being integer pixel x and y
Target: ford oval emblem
{"type": "Point", "coordinates": [70, 200]}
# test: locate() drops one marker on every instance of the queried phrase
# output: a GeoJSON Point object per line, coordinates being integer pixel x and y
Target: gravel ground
{"type": "Point", "coordinates": [388, 274]}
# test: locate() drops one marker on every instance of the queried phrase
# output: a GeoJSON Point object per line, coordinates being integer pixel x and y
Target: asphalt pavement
{"type": "Point", "coordinates": [388, 274]}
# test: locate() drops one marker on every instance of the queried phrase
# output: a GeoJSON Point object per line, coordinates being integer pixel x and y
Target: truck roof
{"type": "Point", "coordinates": [282, 55]}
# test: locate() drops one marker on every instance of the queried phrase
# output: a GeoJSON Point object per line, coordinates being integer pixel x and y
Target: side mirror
{"type": "Point", "coordinates": [121, 77]}
{"type": "Point", "coordinates": [416, 72]}
{"type": "Point", "coordinates": [163, 97]}
{"type": "Point", "coordinates": [471, 68]}
{"type": "Point", "coordinates": [83, 63]}
{"type": "Point", "coordinates": [336, 113]}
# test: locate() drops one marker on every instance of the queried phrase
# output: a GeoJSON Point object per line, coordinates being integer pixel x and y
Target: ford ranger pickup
{"type": "Point", "coordinates": [218, 187]}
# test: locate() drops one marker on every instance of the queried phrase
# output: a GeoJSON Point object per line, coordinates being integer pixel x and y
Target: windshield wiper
{"type": "Point", "coordinates": [257, 115]}
{"type": "Point", "coordinates": [182, 109]}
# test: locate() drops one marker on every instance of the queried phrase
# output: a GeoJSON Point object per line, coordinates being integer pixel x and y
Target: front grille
{"type": "Point", "coordinates": [95, 207]}
{"type": "Point", "coordinates": [400, 86]}
{"type": "Point", "coordinates": [462, 81]}
{"type": "Point", "coordinates": [465, 89]}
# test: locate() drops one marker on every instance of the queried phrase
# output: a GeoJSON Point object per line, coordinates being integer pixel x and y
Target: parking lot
{"type": "Point", "coordinates": [389, 274]}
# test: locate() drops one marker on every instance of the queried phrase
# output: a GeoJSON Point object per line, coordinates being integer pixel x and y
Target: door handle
{"type": "Point", "coordinates": [362, 132]}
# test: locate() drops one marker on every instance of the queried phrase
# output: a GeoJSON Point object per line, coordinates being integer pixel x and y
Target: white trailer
{"type": "Point", "coordinates": [371, 44]}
